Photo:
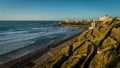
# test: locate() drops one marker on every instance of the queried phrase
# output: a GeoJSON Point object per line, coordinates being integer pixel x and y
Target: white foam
{"type": "Point", "coordinates": [5, 48]}
{"type": "Point", "coordinates": [15, 32]}
{"type": "Point", "coordinates": [21, 36]}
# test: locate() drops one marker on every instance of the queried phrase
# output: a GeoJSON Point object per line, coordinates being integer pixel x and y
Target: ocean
{"type": "Point", "coordinates": [18, 38]}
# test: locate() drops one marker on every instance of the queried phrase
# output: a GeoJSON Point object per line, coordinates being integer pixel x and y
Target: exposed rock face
{"type": "Point", "coordinates": [96, 48]}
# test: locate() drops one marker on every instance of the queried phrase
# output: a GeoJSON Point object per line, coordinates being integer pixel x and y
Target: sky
{"type": "Point", "coordinates": [57, 9]}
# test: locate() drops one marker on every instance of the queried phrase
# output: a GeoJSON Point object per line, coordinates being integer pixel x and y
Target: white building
{"type": "Point", "coordinates": [105, 18]}
{"type": "Point", "coordinates": [68, 20]}
{"type": "Point", "coordinates": [93, 24]}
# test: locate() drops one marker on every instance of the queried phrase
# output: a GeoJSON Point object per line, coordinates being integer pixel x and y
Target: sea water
{"type": "Point", "coordinates": [18, 38]}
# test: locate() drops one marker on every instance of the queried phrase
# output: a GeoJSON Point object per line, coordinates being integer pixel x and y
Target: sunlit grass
{"type": "Point", "coordinates": [102, 60]}
{"type": "Point", "coordinates": [77, 55]}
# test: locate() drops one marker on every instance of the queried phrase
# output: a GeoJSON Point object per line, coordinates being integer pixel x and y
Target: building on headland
{"type": "Point", "coordinates": [68, 20]}
{"type": "Point", "coordinates": [76, 21]}
{"type": "Point", "coordinates": [81, 20]}
{"type": "Point", "coordinates": [93, 24]}
{"type": "Point", "coordinates": [89, 20]}
{"type": "Point", "coordinates": [105, 18]}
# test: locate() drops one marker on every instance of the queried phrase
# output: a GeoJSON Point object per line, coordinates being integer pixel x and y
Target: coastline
{"type": "Point", "coordinates": [69, 24]}
{"type": "Point", "coordinates": [19, 62]}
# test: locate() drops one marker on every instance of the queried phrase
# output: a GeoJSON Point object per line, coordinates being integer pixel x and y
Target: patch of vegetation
{"type": "Point", "coordinates": [50, 62]}
{"type": "Point", "coordinates": [109, 42]}
{"type": "Point", "coordinates": [102, 60]}
{"type": "Point", "coordinates": [90, 54]}
{"type": "Point", "coordinates": [116, 24]}
{"type": "Point", "coordinates": [77, 55]}
{"type": "Point", "coordinates": [77, 44]}
{"type": "Point", "coordinates": [89, 35]}
{"type": "Point", "coordinates": [72, 62]}
{"type": "Point", "coordinates": [82, 36]}
{"type": "Point", "coordinates": [116, 30]}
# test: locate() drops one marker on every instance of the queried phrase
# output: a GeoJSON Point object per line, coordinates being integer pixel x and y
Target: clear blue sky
{"type": "Point", "coordinates": [57, 9]}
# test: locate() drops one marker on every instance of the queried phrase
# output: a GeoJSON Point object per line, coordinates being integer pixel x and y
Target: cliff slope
{"type": "Point", "coordinates": [95, 48]}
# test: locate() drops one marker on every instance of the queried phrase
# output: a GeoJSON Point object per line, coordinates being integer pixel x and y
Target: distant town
{"type": "Point", "coordinates": [88, 22]}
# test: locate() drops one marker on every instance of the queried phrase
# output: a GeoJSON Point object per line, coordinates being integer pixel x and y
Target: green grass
{"type": "Point", "coordinates": [77, 44]}
{"type": "Point", "coordinates": [89, 56]}
{"type": "Point", "coordinates": [116, 24]}
{"type": "Point", "coordinates": [77, 55]}
{"type": "Point", "coordinates": [71, 62]}
{"type": "Point", "coordinates": [82, 49]}
{"type": "Point", "coordinates": [116, 30]}
{"type": "Point", "coordinates": [96, 33]}
{"type": "Point", "coordinates": [50, 63]}
{"type": "Point", "coordinates": [106, 55]}
{"type": "Point", "coordinates": [109, 42]}
{"type": "Point", "coordinates": [82, 36]}
{"type": "Point", "coordinates": [103, 59]}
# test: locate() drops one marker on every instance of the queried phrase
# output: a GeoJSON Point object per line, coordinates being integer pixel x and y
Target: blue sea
{"type": "Point", "coordinates": [18, 38]}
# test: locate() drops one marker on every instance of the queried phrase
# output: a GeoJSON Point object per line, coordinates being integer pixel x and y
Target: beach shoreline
{"type": "Point", "coordinates": [21, 61]}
